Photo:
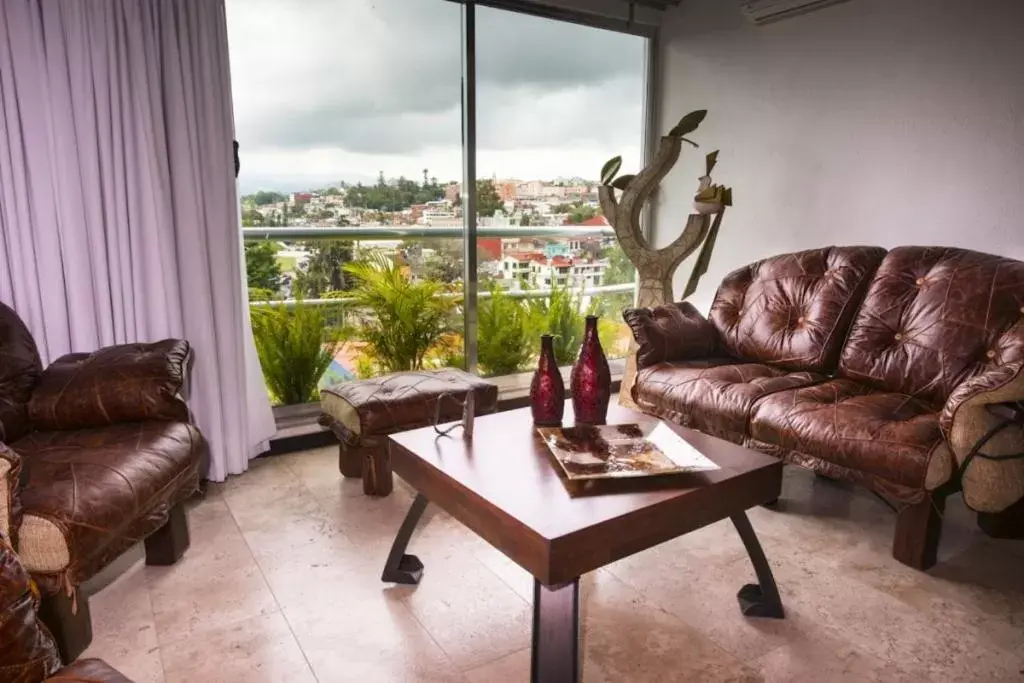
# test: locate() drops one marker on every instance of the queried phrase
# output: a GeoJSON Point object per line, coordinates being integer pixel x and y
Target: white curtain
{"type": "Point", "coordinates": [118, 208]}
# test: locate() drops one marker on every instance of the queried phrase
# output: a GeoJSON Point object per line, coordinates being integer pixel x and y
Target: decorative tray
{"type": "Point", "coordinates": [620, 451]}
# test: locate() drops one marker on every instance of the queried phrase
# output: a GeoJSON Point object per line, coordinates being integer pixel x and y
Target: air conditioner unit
{"type": "Point", "coordinates": [766, 11]}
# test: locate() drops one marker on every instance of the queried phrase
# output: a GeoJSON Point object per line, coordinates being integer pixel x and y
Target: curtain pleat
{"type": "Point", "coordinates": [118, 204]}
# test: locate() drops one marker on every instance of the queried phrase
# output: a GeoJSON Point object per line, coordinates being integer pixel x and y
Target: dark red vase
{"type": "Point", "coordinates": [547, 391]}
{"type": "Point", "coordinates": [591, 380]}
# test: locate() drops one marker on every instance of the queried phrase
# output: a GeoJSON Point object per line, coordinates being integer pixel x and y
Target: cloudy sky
{"type": "Point", "coordinates": [331, 90]}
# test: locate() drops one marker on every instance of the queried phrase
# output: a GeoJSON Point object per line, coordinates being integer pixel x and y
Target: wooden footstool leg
{"type": "Point", "coordinates": [377, 477]}
{"type": "Point", "coordinates": [350, 462]}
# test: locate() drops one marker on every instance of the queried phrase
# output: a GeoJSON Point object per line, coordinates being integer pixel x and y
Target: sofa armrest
{"type": "Point", "coordinates": [986, 435]}
{"type": "Point", "coordinates": [125, 383]}
{"type": "Point", "coordinates": [674, 331]}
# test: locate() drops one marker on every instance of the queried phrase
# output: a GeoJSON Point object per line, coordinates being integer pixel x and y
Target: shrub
{"type": "Point", "coordinates": [260, 294]}
{"type": "Point", "coordinates": [295, 347]}
{"type": "Point", "coordinates": [399, 320]}
{"type": "Point", "coordinates": [504, 341]}
{"type": "Point", "coordinates": [559, 315]}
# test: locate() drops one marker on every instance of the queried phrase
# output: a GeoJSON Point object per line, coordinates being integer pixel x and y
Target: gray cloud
{"type": "Point", "coordinates": [383, 77]}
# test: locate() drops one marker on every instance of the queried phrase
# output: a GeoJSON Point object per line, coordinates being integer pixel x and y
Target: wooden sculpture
{"type": "Point", "coordinates": [655, 267]}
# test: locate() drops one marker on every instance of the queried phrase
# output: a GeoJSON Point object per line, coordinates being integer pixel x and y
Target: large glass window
{"type": "Point", "coordinates": [348, 115]}
{"type": "Point", "coordinates": [349, 119]}
{"type": "Point", "coordinates": [555, 101]}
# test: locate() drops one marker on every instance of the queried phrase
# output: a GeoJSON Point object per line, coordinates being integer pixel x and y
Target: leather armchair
{"type": "Point", "coordinates": [105, 455]}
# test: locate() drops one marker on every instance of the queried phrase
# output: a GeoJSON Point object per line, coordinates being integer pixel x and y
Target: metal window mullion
{"type": "Point", "coordinates": [470, 275]}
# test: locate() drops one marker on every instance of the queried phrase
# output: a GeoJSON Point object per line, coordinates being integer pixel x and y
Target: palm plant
{"type": "Point", "coordinates": [504, 342]}
{"type": "Point", "coordinates": [399, 320]}
{"type": "Point", "coordinates": [295, 347]}
{"type": "Point", "coordinates": [559, 315]}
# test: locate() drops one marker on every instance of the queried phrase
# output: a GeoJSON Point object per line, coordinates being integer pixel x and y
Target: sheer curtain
{"type": "Point", "coordinates": [118, 210]}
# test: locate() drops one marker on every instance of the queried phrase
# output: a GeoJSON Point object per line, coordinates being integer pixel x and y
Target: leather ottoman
{"type": "Point", "coordinates": [362, 412]}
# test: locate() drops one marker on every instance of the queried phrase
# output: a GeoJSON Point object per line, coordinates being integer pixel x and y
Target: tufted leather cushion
{"type": "Point", "coordinates": [713, 395]}
{"type": "Point", "coordinates": [124, 383]}
{"type": "Point", "coordinates": [27, 651]}
{"type": "Point", "coordinates": [93, 493]}
{"type": "Point", "coordinates": [671, 332]}
{"type": "Point", "coordinates": [19, 370]}
{"type": "Point", "coordinates": [402, 400]}
{"type": "Point", "coordinates": [794, 310]}
{"type": "Point", "coordinates": [88, 671]}
{"type": "Point", "coordinates": [935, 317]}
{"type": "Point", "coordinates": [892, 438]}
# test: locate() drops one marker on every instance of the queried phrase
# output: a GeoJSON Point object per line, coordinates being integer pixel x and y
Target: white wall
{"type": "Point", "coordinates": [872, 122]}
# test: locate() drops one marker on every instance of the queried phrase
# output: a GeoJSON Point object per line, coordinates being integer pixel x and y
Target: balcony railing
{"type": "Point", "coordinates": [340, 310]}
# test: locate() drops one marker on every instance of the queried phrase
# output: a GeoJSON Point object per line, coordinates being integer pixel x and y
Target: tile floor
{"type": "Point", "coordinates": [282, 584]}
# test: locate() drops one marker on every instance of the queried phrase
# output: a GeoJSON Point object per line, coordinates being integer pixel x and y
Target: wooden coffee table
{"type": "Point", "coordinates": [506, 487]}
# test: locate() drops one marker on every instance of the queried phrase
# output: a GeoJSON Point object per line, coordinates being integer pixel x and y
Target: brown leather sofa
{"type": "Point", "coordinates": [97, 453]}
{"type": "Point", "coordinates": [29, 653]}
{"type": "Point", "coordinates": [900, 371]}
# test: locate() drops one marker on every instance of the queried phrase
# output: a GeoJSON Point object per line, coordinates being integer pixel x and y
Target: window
{"type": "Point", "coordinates": [350, 123]}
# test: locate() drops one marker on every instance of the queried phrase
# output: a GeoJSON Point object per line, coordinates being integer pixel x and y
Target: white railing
{"type": "Point", "coordinates": [483, 294]}
{"type": "Point", "coordinates": [376, 232]}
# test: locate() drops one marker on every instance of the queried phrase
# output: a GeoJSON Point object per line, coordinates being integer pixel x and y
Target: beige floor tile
{"type": "Point", "coordinates": [217, 599]}
{"type": "Point", "coordinates": [350, 643]}
{"type": "Point", "coordinates": [513, 667]}
{"type": "Point", "coordinates": [813, 660]}
{"type": "Point", "coordinates": [472, 614]}
{"type": "Point", "coordinates": [124, 630]}
{"type": "Point", "coordinates": [627, 637]}
{"type": "Point", "coordinates": [285, 567]}
{"type": "Point", "coordinates": [317, 470]}
{"type": "Point", "coordinates": [258, 650]}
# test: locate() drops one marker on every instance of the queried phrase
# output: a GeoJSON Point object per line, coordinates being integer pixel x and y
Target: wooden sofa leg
{"type": "Point", "coordinates": [1006, 524]}
{"type": "Point", "coordinates": [71, 627]}
{"type": "Point", "coordinates": [918, 529]}
{"type": "Point", "coordinates": [350, 462]}
{"type": "Point", "coordinates": [166, 545]}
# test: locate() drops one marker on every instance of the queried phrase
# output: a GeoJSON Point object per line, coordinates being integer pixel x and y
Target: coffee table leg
{"type": "Point", "coordinates": [556, 633]}
{"type": "Point", "coordinates": [759, 599]}
{"type": "Point", "coordinates": [402, 568]}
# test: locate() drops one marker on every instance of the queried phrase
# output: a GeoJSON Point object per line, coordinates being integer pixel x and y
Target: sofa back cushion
{"type": "Point", "coordinates": [794, 310]}
{"type": "Point", "coordinates": [934, 317]}
{"type": "Point", "coordinates": [19, 371]}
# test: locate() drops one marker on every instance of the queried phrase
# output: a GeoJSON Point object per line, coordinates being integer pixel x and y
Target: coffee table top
{"type": "Point", "coordinates": [506, 487]}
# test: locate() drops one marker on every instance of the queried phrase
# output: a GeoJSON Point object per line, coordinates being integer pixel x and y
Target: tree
{"type": "Point", "coordinates": [325, 268]}
{"type": "Point", "coordinates": [253, 218]}
{"type": "Point", "coordinates": [525, 220]}
{"type": "Point", "coordinates": [262, 270]}
{"type": "Point", "coordinates": [620, 270]}
{"type": "Point", "coordinates": [263, 197]}
{"type": "Point", "coordinates": [487, 199]}
{"type": "Point", "coordinates": [578, 212]}
{"type": "Point", "coordinates": [445, 264]}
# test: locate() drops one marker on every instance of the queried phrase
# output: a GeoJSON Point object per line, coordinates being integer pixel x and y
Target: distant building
{"type": "Point", "coordinates": [489, 247]}
{"type": "Point", "coordinates": [300, 197]}
{"type": "Point", "coordinates": [452, 192]}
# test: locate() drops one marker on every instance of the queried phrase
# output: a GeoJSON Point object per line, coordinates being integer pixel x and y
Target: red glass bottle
{"type": "Point", "coordinates": [591, 379]}
{"type": "Point", "coordinates": [547, 391]}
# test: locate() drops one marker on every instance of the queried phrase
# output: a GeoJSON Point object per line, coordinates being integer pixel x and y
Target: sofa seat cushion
{"type": "Point", "coordinates": [92, 493]}
{"type": "Point", "coordinates": [892, 438]}
{"type": "Point", "coordinates": [712, 395]}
